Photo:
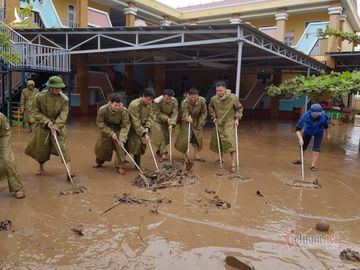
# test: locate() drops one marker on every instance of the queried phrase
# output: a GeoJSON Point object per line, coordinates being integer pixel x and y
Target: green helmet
{"type": "Point", "coordinates": [55, 82]}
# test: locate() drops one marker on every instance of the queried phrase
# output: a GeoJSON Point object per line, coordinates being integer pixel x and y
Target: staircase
{"type": "Point", "coordinates": [310, 37]}
{"type": "Point", "coordinates": [254, 95]}
{"type": "Point", "coordinates": [101, 81]}
{"type": "Point", "coordinates": [34, 58]}
{"type": "Point", "coordinates": [46, 11]}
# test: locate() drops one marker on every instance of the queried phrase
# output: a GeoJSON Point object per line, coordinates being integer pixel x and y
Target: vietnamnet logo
{"type": "Point", "coordinates": [311, 241]}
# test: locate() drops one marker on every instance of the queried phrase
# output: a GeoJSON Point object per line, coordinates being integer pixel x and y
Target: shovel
{"type": "Point", "coordinates": [188, 143]}
{"type": "Point", "coordinates": [219, 149]}
{"type": "Point", "coordinates": [75, 188]}
{"type": "Point", "coordinates": [302, 182]}
{"type": "Point", "coordinates": [153, 156]}
{"type": "Point", "coordinates": [242, 177]}
{"type": "Point", "coordinates": [302, 163]}
{"type": "Point", "coordinates": [136, 165]}
{"type": "Point", "coordinates": [170, 146]}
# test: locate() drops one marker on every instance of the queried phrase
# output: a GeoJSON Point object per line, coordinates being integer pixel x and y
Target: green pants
{"type": "Point", "coordinates": [8, 171]}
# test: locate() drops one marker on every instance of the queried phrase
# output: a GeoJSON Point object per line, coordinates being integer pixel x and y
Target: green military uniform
{"type": "Point", "coordinates": [27, 98]}
{"type": "Point", "coordinates": [226, 109]}
{"type": "Point", "coordinates": [160, 131]}
{"type": "Point", "coordinates": [141, 117]}
{"type": "Point", "coordinates": [198, 113]}
{"type": "Point", "coordinates": [7, 162]}
{"type": "Point", "coordinates": [48, 108]}
{"type": "Point", "coordinates": [111, 122]}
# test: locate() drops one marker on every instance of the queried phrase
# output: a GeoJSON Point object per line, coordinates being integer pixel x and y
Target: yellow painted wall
{"type": "Point", "coordinates": [62, 7]}
{"type": "Point", "coordinates": [287, 76]}
{"type": "Point", "coordinates": [296, 22]}
{"type": "Point", "coordinates": [270, 21]}
{"type": "Point", "coordinates": [346, 46]}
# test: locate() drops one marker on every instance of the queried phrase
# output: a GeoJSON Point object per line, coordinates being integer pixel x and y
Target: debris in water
{"type": "Point", "coordinates": [209, 197]}
{"type": "Point", "coordinates": [258, 193]}
{"type": "Point", "coordinates": [168, 176]}
{"type": "Point", "coordinates": [209, 191]}
{"type": "Point", "coordinates": [5, 225]}
{"type": "Point", "coordinates": [155, 210]}
{"type": "Point", "coordinates": [73, 190]}
{"type": "Point", "coordinates": [129, 200]}
{"type": "Point", "coordinates": [322, 226]}
{"type": "Point", "coordinates": [238, 176]}
{"type": "Point", "coordinates": [220, 173]}
{"type": "Point", "coordinates": [350, 255]}
{"type": "Point", "coordinates": [219, 202]}
{"type": "Point", "coordinates": [237, 264]}
{"type": "Point", "coordinates": [305, 184]}
{"type": "Point", "coordinates": [79, 229]}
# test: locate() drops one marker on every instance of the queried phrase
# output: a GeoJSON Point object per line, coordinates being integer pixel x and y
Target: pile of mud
{"type": "Point", "coordinates": [173, 175]}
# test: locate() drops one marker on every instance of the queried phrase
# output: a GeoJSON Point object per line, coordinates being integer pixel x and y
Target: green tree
{"type": "Point", "coordinates": [7, 53]}
{"type": "Point", "coordinates": [351, 37]}
{"type": "Point", "coordinates": [334, 84]}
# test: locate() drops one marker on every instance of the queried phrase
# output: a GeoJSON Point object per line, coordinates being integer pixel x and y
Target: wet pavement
{"type": "Point", "coordinates": [187, 234]}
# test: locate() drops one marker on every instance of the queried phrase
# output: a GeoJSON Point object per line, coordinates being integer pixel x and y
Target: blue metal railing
{"type": "Point", "coordinates": [310, 37]}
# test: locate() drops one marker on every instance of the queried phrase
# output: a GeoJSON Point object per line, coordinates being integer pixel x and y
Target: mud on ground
{"type": "Point", "coordinates": [186, 233]}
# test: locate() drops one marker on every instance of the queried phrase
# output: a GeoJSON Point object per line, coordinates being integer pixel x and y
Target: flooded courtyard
{"type": "Point", "coordinates": [187, 233]}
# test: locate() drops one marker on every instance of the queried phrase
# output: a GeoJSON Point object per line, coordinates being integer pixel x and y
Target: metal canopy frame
{"type": "Point", "coordinates": [238, 39]}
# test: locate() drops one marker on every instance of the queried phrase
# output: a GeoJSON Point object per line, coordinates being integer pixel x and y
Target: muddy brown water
{"type": "Point", "coordinates": [186, 234]}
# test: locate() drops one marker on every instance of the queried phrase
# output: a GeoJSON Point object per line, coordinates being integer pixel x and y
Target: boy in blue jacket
{"type": "Point", "coordinates": [314, 122]}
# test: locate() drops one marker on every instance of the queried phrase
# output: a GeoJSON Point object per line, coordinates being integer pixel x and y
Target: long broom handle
{"type": "Point", "coordinates": [189, 132]}
{"type": "Point", "coordinates": [128, 154]}
{"type": "Point", "coordinates": [302, 162]}
{"type": "Point", "coordinates": [152, 153]}
{"type": "Point", "coordinates": [218, 143]}
{"type": "Point", "coordinates": [170, 145]}
{"type": "Point", "coordinates": [237, 149]}
{"type": "Point", "coordinates": [63, 159]}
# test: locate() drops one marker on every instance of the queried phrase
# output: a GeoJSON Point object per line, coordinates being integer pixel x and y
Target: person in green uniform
{"type": "Point", "coordinates": [225, 111]}
{"type": "Point", "coordinates": [141, 118]}
{"type": "Point", "coordinates": [27, 97]}
{"type": "Point", "coordinates": [114, 124]}
{"type": "Point", "coordinates": [166, 112]}
{"type": "Point", "coordinates": [8, 168]}
{"type": "Point", "coordinates": [50, 110]}
{"type": "Point", "coordinates": [193, 111]}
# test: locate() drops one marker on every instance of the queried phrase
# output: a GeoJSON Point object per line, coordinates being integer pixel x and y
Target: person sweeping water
{"type": "Point", "coordinates": [225, 110]}
{"type": "Point", "coordinates": [193, 118]}
{"type": "Point", "coordinates": [314, 122]}
{"type": "Point", "coordinates": [141, 117]}
{"type": "Point", "coordinates": [165, 116]}
{"type": "Point", "coordinates": [114, 124]}
{"type": "Point", "coordinates": [50, 110]}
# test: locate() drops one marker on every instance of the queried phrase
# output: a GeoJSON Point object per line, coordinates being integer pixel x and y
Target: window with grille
{"type": "Point", "coordinates": [289, 38]}
{"type": "Point", "coordinates": [71, 16]}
